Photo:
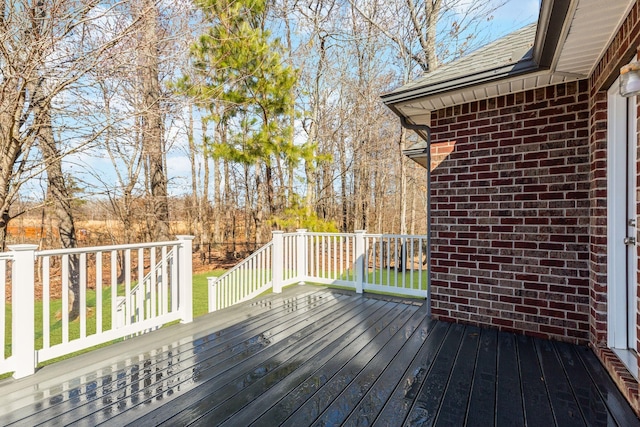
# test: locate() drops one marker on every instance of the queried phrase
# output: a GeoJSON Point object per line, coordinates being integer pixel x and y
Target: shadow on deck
{"type": "Point", "coordinates": [316, 356]}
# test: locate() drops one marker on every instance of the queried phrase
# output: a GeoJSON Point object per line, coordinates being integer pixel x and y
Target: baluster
{"type": "Point", "coordinates": [65, 298]}
{"type": "Point", "coordinates": [98, 292]}
{"type": "Point", "coordinates": [129, 306]}
{"type": "Point", "coordinates": [141, 294]}
{"type": "Point", "coordinates": [116, 316]}
{"type": "Point", "coordinates": [46, 303]}
{"type": "Point", "coordinates": [153, 282]}
{"type": "Point", "coordinates": [83, 294]}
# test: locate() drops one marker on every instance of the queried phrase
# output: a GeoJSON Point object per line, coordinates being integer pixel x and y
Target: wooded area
{"type": "Point", "coordinates": [274, 103]}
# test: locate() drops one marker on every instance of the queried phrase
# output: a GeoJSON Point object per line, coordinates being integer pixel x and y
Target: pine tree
{"type": "Point", "coordinates": [244, 82]}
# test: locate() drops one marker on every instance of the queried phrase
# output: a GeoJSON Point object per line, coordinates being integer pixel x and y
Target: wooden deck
{"type": "Point", "coordinates": [313, 356]}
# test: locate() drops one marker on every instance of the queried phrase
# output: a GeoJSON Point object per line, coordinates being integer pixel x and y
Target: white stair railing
{"type": "Point", "coordinates": [246, 280]}
{"type": "Point", "coordinates": [148, 296]}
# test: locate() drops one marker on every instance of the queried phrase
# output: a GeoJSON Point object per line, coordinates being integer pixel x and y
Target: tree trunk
{"type": "Point", "coordinates": [403, 181]}
{"type": "Point", "coordinates": [228, 214]}
{"type": "Point", "coordinates": [194, 208]}
{"type": "Point", "coordinates": [61, 197]}
{"type": "Point", "coordinates": [343, 191]}
{"type": "Point", "coordinates": [269, 187]}
{"type": "Point", "coordinates": [152, 120]}
{"type": "Point", "coordinates": [203, 206]}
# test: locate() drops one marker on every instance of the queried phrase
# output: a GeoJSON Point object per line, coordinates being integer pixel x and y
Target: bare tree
{"type": "Point", "coordinates": [411, 27]}
{"type": "Point", "coordinates": [152, 118]}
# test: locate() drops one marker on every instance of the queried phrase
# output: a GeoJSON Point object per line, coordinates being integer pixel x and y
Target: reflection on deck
{"type": "Point", "coordinates": [312, 356]}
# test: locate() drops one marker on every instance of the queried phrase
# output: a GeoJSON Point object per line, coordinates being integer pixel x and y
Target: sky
{"type": "Point", "coordinates": [510, 17]}
{"type": "Point", "coordinates": [514, 15]}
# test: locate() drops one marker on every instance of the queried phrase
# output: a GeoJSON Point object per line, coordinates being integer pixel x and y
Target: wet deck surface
{"type": "Point", "coordinates": [312, 356]}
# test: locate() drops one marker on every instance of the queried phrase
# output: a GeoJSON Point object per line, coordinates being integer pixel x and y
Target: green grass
{"type": "Point", "coordinates": [200, 292]}
{"type": "Point", "coordinates": [384, 277]}
{"type": "Point", "coordinates": [417, 280]}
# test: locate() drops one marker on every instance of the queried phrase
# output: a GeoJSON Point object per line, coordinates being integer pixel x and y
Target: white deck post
{"type": "Point", "coordinates": [185, 278]}
{"type": "Point", "coordinates": [301, 246]}
{"type": "Point", "coordinates": [277, 261]}
{"type": "Point", "coordinates": [359, 267]}
{"type": "Point", "coordinates": [22, 300]}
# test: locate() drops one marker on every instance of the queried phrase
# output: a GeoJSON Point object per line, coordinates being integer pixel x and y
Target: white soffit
{"type": "Point", "coordinates": [594, 24]}
{"type": "Point", "coordinates": [480, 92]}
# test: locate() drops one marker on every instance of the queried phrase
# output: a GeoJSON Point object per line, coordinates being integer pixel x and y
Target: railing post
{"type": "Point", "coordinates": [301, 246]}
{"type": "Point", "coordinates": [185, 278]}
{"type": "Point", "coordinates": [360, 253]}
{"type": "Point", "coordinates": [277, 261]}
{"type": "Point", "coordinates": [22, 301]}
{"type": "Point", "coordinates": [211, 287]}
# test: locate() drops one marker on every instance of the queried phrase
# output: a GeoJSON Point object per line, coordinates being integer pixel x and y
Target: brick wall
{"type": "Point", "coordinates": [510, 206]}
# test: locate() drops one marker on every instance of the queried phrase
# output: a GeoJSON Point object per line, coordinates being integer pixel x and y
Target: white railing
{"type": "Point", "coordinates": [330, 258]}
{"type": "Point", "coordinates": [110, 304]}
{"type": "Point", "coordinates": [384, 263]}
{"type": "Point", "coordinates": [396, 263]}
{"type": "Point", "coordinates": [243, 282]}
{"type": "Point", "coordinates": [149, 295]}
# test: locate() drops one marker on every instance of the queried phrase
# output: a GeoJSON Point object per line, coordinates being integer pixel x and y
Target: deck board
{"type": "Point", "coordinates": [317, 403]}
{"type": "Point", "coordinates": [373, 369]}
{"type": "Point", "coordinates": [275, 405]}
{"type": "Point", "coordinates": [618, 408]}
{"type": "Point", "coordinates": [565, 408]}
{"type": "Point", "coordinates": [314, 356]}
{"type": "Point", "coordinates": [406, 391]}
{"type": "Point", "coordinates": [216, 383]}
{"type": "Point", "coordinates": [378, 394]}
{"type": "Point", "coordinates": [425, 407]}
{"type": "Point", "coordinates": [584, 390]}
{"type": "Point", "coordinates": [202, 406]}
{"type": "Point", "coordinates": [482, 397]}
{"type": "Point", "coordinates": [535, 393]}
{"type": "Point", "coordinates": [509, 408]}
{"type": "Point", "coordinates": [177, 369]}
{"type": "Point", "coordinates": [291, 399]}
{"type": "Point", "coordinates": [458, 389]}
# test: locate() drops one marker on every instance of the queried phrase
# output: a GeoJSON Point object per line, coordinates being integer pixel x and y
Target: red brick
{"type": "Point", "coordinates": [515, 193]}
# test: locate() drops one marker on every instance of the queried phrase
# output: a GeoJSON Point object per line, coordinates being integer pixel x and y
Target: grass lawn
{"type": "Point", "coordinates": [200, 292]}
{"type": "Point", "coordinates": [416, 279]}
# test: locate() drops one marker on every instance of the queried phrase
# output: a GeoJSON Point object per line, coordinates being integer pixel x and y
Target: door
{"type": "Point", "coordinates": [622, 259]}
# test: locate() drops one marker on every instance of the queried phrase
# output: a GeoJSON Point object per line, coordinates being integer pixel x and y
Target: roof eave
{"type": "Point", "coordinates": [553, 15]}
{"type": "Point", "coordinates": [484, 77]}
{"type": "Point", "coordinates": [418, 155]}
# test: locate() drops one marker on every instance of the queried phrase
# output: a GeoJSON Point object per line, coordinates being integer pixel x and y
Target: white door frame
{"type": "Point", "coordinates": [621, 262]}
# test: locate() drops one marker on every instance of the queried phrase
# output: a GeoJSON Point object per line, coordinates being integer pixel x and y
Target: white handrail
{"type": "Point", "coordinates": [239, 266]}
{"type": "Point", "coordinates": [398, 236]}
{"type": "Point", "coordinates": [93, 249]}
